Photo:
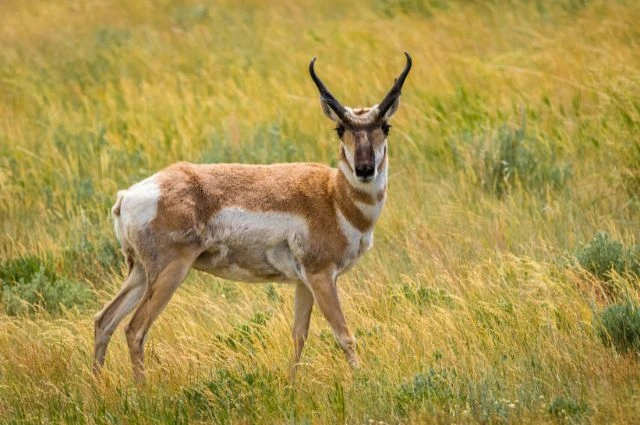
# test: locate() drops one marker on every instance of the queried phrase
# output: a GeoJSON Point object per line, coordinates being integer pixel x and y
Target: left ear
{"type": "Point", "coordinates": [328, 112]}
{"type": "Point", "coordinates": [392, 109]}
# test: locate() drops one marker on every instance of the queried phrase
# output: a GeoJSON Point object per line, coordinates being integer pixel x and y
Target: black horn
{"type": "Point", "coordinates": [326, 96]}
{"type": "Point", "coordinates": [395, 91]}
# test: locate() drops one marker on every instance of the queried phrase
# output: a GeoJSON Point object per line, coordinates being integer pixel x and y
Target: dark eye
{"type": "Point", "coordinates": [385, 128]}
{"type": "Point", "coordinates": [340, 130]}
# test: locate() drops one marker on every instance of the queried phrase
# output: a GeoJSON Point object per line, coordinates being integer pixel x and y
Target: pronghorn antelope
{"type": "Point", "coordinates": [302, 223]}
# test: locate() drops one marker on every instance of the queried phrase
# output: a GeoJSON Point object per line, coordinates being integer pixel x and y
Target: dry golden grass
{"type": "Point", "coordinates": [470, 309]}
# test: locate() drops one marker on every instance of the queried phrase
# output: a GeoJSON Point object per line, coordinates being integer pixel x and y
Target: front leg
{"type": "Point", "coordinates": [325, 291]}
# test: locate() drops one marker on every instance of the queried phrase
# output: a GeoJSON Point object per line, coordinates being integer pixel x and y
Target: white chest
{"type": "Point", "coordinates": [357, 243]}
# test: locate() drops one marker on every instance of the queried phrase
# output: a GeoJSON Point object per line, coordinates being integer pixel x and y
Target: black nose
{"type": "Point", "coordinates": [364, 170]}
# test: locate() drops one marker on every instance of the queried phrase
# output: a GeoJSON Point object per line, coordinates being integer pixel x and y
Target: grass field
{"type": "Point", "coordinates": [506, 255]}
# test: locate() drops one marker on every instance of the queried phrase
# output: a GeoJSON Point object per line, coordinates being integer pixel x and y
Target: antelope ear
{"type": "Point", "coordinates": [329, 113]}
{"type": "Point", "coordinates": [392, 109]}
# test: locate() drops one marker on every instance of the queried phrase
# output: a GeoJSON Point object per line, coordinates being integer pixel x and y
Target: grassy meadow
{"type": "Point", "coordinates": [503, 284]}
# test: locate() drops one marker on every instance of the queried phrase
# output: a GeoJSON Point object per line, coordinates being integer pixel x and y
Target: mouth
{"type": "Point", "coordinates": [365, 179]}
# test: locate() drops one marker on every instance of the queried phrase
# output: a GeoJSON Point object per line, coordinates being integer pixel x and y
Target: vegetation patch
{"type": "Point", "coordinates": [620, 327]}
{"type": "Point", "coordinates": [92, 258]}
{"type": "Point", "coordinates": [234, 394]}
{"type": "Point", "coordinates": [30, 284]}
{"type": "Point", "coordinates": [568, 409]}
{"type": "Point", "coordinates": [424, 296]}
{"type": "Point", "coordinates": [249, 335]}
{"type": "Point", "coordinates": [509, 158]}
{"type": "Point", "coordinates": [604, 255]}
{"type": "Point", "coordinates": [431, 388]}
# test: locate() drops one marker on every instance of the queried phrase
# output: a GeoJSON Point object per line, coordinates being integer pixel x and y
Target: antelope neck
{"type": "Point", "coordinates": [360, 202]}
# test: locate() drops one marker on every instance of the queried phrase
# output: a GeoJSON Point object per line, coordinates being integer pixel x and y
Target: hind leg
{"type": "Point", "coordinates": [159, 293]}
{"type": "Point", "coordinates": [107, 320]}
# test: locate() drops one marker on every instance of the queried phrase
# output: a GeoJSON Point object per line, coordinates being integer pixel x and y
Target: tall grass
{"type": "Point", "coordinates": [516, 144]}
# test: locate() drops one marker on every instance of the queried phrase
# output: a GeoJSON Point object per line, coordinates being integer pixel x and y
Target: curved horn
{"type": "Point", "coordinates": [326, 96]}
{"type": "Point", "coordinates": [393, 94]}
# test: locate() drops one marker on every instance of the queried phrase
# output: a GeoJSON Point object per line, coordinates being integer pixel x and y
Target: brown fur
{"type": "Point", "coordinates": [307, 190]}
{"type": "Point", "coordinates": [346, 195]}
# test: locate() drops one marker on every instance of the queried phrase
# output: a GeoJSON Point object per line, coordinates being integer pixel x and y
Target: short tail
{"type": "Point", "coordinates": [119, 227]}
{"type": "Point", "coordinates": [115, 210]}
{"type": "Point", "coordinates": [117, 223]}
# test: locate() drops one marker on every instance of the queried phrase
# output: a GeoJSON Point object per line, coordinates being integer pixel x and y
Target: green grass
{"type": "Point", "coordinates": [504, 278]}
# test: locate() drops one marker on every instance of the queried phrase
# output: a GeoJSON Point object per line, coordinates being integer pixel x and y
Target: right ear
{"type": "Point", "coordinates": [329, 113]}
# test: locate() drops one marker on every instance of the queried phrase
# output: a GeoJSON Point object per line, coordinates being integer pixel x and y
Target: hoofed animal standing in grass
{"type": "Point", "coordinates": [302, 223]}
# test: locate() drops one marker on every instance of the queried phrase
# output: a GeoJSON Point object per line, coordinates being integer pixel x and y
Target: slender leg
{"type": "Point", "coordinates": [303, 304]}
{"type": "Point", "coordinates": [107, 320]}
{"type": "Point", "coordinates": [325, 292]}
{"type": "Point", "coordinates": [154, 301]}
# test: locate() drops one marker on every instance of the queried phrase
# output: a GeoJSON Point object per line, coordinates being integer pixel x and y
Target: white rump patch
{"type": "Point", "coordinates": [138, 207]}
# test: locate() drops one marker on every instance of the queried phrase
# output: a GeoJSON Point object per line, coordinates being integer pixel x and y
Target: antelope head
{"type": "Point", "coordinates": [362, 131]}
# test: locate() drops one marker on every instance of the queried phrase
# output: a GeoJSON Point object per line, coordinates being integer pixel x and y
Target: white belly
{"type": "Point", "coordinates": [254, 246]}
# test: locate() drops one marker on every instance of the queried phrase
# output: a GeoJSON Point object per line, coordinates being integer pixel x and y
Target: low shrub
{"type": "Point", "coordinates": [509, 158]}
{"type": "Point", "coordinates": [431, 387]}
{"type": "Point", "coordinates": [234, 394]}
{"type": "Point", "coordinates": [25, 268]}
{"type": "Point", "coordinates": [30, 284]}
{"type": "Point", "coordinates": [620, 327]}
{"type": "Point", "coordinates": [568, 408]}
{"type": "Point", "coordinates": [602, 255]}
{"type": "Point", "coordinates": [92, 258]}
